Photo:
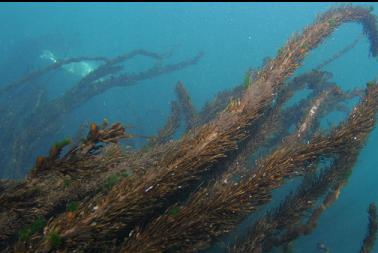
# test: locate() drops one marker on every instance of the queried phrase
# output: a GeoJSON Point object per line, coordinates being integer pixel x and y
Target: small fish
{"type": "Point", "coordinates": [322, 247]}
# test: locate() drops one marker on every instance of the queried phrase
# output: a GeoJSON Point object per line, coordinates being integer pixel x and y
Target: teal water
{"type": "Point", "coordinates": [233, 36]}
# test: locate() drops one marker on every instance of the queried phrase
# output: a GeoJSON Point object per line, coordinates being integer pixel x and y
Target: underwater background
{"type": "Point", "coordinates": [234, 38]}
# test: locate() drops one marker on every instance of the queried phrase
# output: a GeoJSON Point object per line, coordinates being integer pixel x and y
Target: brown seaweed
{"type": "Point", "coordinates": [369, 240]}
{"type": "Point", "coordinates": [182, 195]}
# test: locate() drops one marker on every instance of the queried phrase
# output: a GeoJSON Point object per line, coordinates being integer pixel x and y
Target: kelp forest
{"type": "Point", "coordinates": [190, 189]}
